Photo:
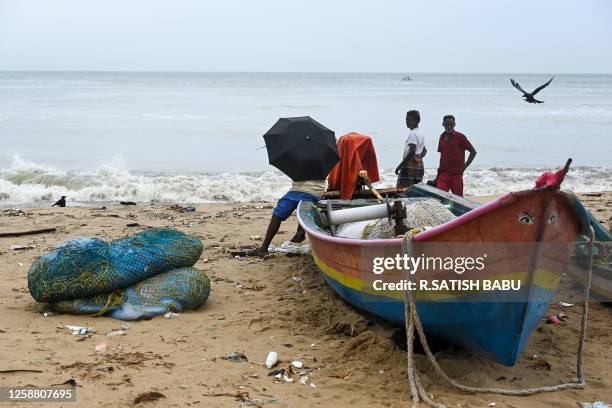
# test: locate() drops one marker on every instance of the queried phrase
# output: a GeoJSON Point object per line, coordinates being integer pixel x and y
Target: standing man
{"type": "Point", "coordinates": [452, 147]}
{"type": "Point", "coordinates": [410, 170]}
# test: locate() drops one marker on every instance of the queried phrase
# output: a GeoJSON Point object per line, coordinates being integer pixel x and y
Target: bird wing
{"type": "Point", "coordinates": [517, 86]}
{"type": "Point", "coordinates": [539, 88]}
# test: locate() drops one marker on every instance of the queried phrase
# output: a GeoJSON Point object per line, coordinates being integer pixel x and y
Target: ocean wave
{"type": "Point", "coordinates": [27, 182]}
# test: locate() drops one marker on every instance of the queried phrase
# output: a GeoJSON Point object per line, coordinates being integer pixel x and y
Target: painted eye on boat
{"type": "Point", "coordinates": [525, 218]}
{"type": "Point", "coordinates": [552, 219]}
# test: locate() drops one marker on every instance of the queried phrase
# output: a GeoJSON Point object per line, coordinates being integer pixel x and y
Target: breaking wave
{"type": "Point", "coordinates": [34, 184]}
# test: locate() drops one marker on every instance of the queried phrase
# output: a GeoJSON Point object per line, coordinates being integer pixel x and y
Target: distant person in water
{"type": "Point", "coordinates": [452, 147]}
{"type": "Point", "coordinates": [310, 190]}
{"type": "Point", "coordinates": [410, 170]}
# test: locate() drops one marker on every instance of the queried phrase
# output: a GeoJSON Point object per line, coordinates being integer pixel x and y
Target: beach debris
{"type": "Point", "coordinates": [14, 212]}
{"type": "Point", "coordinates": [596, 404]}
{"type": "Point", "coordinates": [563, 304]}
{"type": "Point", "coordinates": [22, 247]}
{"type": "Point", "coordinates": [116, 333]}
{"type": "Point", "coordinates": [79, 330]}
{"type": "Point", "coordinates": [532, 356]}
{"type": "Point", "coordinates": [19, 370]}
{"type": "Point", "coordinates": [125, 326]}
{"type": "Point", "coordinates": [341, 328]}
{"type": "Point", "coordinates": [242, 396]}
{"type": "Point", "coordinates": [148, 396]}
{"type": "Point", "coordinates": [540, 364]}
{"type": "Point", "coordinates": [274, 373]}
{"type": "Point", "coordinates": [289, 247]}
{"type": "Point", "coordinates": [504, 378]}
{"type": "Point", "coordinates": [235, 357]}
{"type": "Point", "coordinates": [553, 320]}
{"type": "Point", "coordinates": [181, 209]}
{"type": "Point", "coordinates": [101, 348]}
{"type": "Point", "coordinates": [271, 359]}
{"type": "Point", "coordinates": [381, 371]}
{"type": "Point", "coordinates": [297, 364]}
{"type": "Point", "coordinates": [31, 232]}
{"type": "Point", "coordinates": [170, 315]}
{"type": "Point", "coordinates": [562, 316]}
{"type": "Point", "coordinates": [492, 404]}
{"type": "Point", "coordinates": [255, 237]}
{"type": "Point", "coordinates": [47, 314]}
{"type": "Point", "coordinates": [304, 380]}
{"type": "Point", "coordinates": [297, 278]}
{"type": "Point", "coordinates": [132, 224]}
{"type": "Point", "coordinates": [313, 385]}
{"type": "Point", "coordinates": [288, 345]}
{"type": "Point", "coordinates": [127, 203]}
{"type": "Point", "coordinates": [280, 375]}
{"type": "Point", "coordinates": [71, 382]}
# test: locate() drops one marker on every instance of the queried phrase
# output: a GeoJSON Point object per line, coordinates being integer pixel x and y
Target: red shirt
{"type": "Point", "coordinates": [452, 153]}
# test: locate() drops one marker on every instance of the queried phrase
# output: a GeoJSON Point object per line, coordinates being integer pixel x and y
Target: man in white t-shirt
{"type": "Point", "coordinates": [410, 171]}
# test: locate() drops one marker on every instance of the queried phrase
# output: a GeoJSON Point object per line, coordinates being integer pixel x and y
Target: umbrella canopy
{"type": "Point", "coordinates": [302, 148]}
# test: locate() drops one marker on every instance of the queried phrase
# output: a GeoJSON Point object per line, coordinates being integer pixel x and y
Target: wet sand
{"type": "Point", "coordinates": [256, 306]}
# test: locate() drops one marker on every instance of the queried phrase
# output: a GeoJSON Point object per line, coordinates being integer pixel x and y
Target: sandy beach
{"type": "Point", "coordinates": [257, 305]}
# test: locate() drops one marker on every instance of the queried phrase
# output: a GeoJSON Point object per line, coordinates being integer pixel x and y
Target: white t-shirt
{"type": "Point", "coordinates": [416, 138]}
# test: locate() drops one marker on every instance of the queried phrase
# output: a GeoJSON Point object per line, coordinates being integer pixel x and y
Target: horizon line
{"type": "Point", "coordinates": [298, 72]}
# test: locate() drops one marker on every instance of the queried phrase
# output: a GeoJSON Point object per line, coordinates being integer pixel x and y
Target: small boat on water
{"type": "Point", "coordinates": [526, 237]}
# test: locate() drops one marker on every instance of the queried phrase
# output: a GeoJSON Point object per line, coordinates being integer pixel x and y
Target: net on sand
{"type": "Point", "coordinates": [86, 267]}
{"type": "Point", "coordinates": [173, 291]}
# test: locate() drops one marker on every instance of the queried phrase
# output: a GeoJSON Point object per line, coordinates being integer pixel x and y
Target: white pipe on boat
{"type": "Point", "coordinates": [370, 212]}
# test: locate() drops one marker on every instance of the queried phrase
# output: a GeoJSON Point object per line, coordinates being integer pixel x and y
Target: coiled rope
{"type": "Point", "coordinates": [413, 322]}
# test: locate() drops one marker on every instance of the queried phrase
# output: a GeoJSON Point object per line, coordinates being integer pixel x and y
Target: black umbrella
{"type": "Point", "coordinates": [302, 148]}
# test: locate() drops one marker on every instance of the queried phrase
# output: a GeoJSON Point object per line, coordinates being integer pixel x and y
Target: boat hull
{"type": "Point", "coordinates": [494, 324]}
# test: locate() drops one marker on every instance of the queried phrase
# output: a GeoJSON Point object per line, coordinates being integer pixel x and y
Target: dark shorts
{"type": "Point", "coordinates": [289, 202]}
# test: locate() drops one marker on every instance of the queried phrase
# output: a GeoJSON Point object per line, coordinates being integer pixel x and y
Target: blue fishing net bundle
{"type": "Point", "coordinates": [86, 270]}
{"type": "Point", "coordinates": [173, 291]}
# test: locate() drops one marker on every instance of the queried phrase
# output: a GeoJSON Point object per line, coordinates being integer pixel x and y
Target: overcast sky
{"type": "Point", "coordinates": [316, 35]}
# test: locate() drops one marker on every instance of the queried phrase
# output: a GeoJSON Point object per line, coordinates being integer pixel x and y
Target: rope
{"type": "Point", "coordinates": [413, 322]}
{"type": "Point", "coordinates": [115, 297]}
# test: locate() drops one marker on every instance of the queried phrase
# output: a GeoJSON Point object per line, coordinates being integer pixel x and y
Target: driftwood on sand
{"type": "Point", "coordinates": [31, 232]}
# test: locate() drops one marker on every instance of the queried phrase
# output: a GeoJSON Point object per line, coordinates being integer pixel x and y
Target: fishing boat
{"type": "Point", "coordinates": [526, 236]}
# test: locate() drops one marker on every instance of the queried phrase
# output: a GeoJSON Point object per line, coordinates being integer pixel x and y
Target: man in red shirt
{"type": "Point", "coordinates": [452, 147]}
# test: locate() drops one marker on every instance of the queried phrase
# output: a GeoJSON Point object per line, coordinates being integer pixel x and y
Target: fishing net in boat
{"type": "Point", "coordinates": [88, 266]}
{"type": "Point", "coordinates": [420, 213]}
{"type": "Point", "coordinates": [172, 291]}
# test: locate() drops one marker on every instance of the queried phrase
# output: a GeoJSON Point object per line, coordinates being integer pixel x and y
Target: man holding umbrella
{"type": "Point", "coordinates": [306, 151]}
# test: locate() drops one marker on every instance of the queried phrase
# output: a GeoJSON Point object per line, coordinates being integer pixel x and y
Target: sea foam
{"type": "Point", "coordinates": [27, 182]}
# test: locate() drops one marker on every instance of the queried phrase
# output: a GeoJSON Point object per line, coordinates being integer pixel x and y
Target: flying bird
{"type": "Point", "coordinates": [529, 97]}
{"type": "Point", "coordinates": [61, 202]}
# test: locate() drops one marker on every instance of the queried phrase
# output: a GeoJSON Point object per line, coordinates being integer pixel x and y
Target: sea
{"type": "Point", "coordinates": [191, 137]}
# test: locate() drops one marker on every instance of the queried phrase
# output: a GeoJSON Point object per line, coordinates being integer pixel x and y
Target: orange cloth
{"type": "Point", "coordinates": [356, 153]}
